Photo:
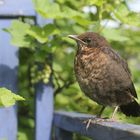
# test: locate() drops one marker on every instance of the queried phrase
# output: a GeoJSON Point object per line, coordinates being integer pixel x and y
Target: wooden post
{"type": "Point", "coordinates": [44, 111]}
{"type": "Point", "coordinates": [10, 9]}
{"type": "Point", "coordinates": [8, 79]}
{"type": "Point", "coordinates": [44, 103]}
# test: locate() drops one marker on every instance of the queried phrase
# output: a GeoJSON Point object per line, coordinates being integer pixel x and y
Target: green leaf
{"type": "Point", "coordinates": [114, 35]}
{"type": "Point", "coordinates": [70, 13]}
{"type": "Point", "coordinates": [123, 10]}
{"type": "Point", "coordinates": [126, 16]}
{"type": "Point", "coordinates": [41, 34]}
{"type": "Point", "coordinates": [8, 98]}
{"type": "Point", "coordinates": [38, 33]}
{"type": "Point", "coordinates": [52, 10]}
{"type": "Point", "coordinates": [82, 21]}
{"type": "Point", "coordinates": [18, 31]}
{"type": "Point", "coordinates": [48, 9]}
{"type": "Point", "coordinates": [50, 29]}
{"type": "Point", "coordinates": [96, 2]}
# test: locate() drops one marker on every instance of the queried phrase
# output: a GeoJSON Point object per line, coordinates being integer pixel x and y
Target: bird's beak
{"type": "Point", "coordinates": [75, 37]}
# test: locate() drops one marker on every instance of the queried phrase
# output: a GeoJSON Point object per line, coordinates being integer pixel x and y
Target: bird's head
{"type": "Point", "coordinates": [89, 39]}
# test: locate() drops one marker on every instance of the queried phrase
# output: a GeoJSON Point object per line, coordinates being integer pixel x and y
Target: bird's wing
{"type": "Point", "coordinates": [117, 58]}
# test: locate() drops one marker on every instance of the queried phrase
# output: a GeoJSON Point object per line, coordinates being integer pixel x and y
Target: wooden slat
{"type": "Point", "coordinates": [44, 103]}
{"type": "Point", "coordinates": [44, 111]}
{"type": "Point", "coordinates": [16, 8]}
{"type": "Point", "coordinates": [73, 122]}
{"type": "Point", "coordinates": [8, 78]}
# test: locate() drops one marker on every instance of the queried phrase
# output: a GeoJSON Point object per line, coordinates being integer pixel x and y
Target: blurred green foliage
{"type": "Point", "coordinates": [71, 17]}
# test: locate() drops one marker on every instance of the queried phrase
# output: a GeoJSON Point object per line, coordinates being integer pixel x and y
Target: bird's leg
{"type": "Point", "coordinates": [101, 111]}
{"type": "Point", "coordinates": [96, 119]}
{"type": "Point", "coordinates": [114, 112]}
{"type": "Point", "coordinates": [88, 122]}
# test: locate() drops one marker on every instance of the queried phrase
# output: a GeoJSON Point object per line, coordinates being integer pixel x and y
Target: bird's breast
{"type": "Point", "coordinates": [90, 70]}
{"type": "Point", "coordinates": [90, 64]}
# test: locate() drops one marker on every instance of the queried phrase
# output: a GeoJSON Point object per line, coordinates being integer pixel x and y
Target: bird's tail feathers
{"type": "Point", "coordinates": [131, 109]}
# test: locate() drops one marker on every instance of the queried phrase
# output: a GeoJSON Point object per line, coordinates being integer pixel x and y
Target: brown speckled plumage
{"type": "Point", "coordinates": [103, 75]}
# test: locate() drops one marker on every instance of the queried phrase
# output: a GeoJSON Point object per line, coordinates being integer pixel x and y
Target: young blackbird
{"type": "Point", "coordinates": [103, 75]}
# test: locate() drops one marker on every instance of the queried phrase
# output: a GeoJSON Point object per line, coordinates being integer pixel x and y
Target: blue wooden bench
{"type": "Point", "coordinates": [65, 123]}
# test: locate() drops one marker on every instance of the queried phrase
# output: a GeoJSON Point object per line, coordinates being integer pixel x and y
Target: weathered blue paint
{"type": "Point", "coordinates": [8, 79]}
{"type": "Point", "coordinates": [16, 7]}
{"type": "Point", "coordinates": [98, 130]}
{"type": "Point", "coordinates": [44, 111]}
{"type": "Point", "coordinates": [8, 76]}
{"type": "Point", "coordinates": [61, 134]}
{"type": "Point", "coordinates": [44, 103]}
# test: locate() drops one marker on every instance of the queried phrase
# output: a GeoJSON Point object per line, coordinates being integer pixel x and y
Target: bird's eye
{"type": "Point", "coordinates": [88, 40]}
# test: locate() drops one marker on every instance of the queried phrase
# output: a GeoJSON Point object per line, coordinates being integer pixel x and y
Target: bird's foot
{"type": "Point", "coordinates": [112, 119]}
{"type": "Point", "coordinates": [93, 121]}
{"type": "Point", "coordinates": [98, 120]}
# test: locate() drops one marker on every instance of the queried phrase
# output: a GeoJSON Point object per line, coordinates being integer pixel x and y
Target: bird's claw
{"type": "Point", "coordinates": [93, 121]}
{"type": "Point", "coordinates": [87, 122]}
